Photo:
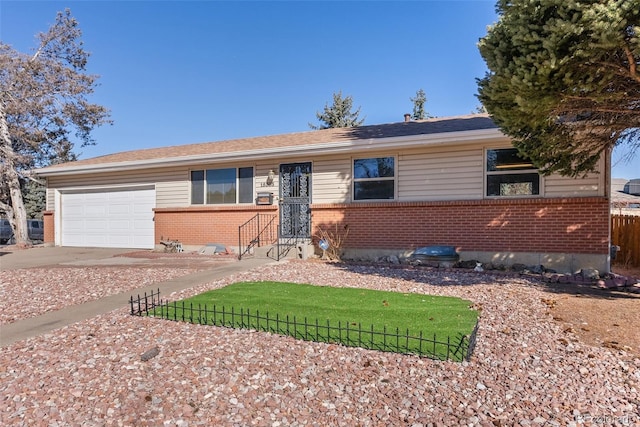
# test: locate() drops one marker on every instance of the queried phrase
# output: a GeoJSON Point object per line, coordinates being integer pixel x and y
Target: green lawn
{"type": "Point", "coordinates": [388, 321]}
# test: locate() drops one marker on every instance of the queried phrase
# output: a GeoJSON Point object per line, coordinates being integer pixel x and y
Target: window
{"type": "Point", "coordinates": [509, 174]}
{"type": "Point", "coordinates": [245, 185]}
{"type": "Point", "coordinates": [222, 186]}
{"type": "Point", "coordinates": [197, 187]}
{"type": "Point", "coordinates": [374, 178]}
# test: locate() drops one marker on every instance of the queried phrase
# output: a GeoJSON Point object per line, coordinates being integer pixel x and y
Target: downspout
{"type": "Point", "coordinates": [607, 194]}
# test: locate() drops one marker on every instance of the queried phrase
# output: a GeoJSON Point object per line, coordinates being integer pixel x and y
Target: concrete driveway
{"type": "Point", "coordinates": [208, 268]}
{"type": "Point", "coordinates": [40, 256]}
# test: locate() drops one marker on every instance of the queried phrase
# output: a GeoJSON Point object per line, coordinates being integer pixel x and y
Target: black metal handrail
{"type": "Point", "coordinates": [257, 231]}
{"type": "Point", "coordinates": [285, 244]}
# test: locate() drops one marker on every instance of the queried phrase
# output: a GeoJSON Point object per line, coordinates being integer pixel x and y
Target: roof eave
{"type": "Point", "coordinates": [359, 145]}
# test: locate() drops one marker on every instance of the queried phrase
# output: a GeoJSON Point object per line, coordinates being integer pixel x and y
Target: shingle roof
{"type": "Point", "coordinates": [325, 136]}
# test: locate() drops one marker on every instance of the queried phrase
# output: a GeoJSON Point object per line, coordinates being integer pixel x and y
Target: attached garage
{"type": "Point", "coordinates": [439, 173]}
{"type": "Point", "coordinates": [108, 218]}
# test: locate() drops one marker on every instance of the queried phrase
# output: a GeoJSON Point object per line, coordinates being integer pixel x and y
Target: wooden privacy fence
{"type": "Point", "coordinates": [625, 232]}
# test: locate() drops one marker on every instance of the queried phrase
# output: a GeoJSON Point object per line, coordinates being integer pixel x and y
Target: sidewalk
{"type": "Point", "coordinates": [47, 322]}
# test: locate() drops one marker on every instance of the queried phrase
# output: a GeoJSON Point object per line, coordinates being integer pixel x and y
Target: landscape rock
{"type": "Point", "coordinates": [467, 264]}
{"type": "Point", "coordinates": [526, 367]}
{"type": "Point", "coordinates": [150, 354]}
{"type": "Point", "coordinates": [536, 269]}
{"type": "Point", "coordinates": [517, 267]}
{"type": "Point", "coordinates": [590, 273]}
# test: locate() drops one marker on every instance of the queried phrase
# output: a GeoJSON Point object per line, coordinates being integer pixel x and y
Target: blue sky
{"type": "Point", "coordinates": [179, 72]}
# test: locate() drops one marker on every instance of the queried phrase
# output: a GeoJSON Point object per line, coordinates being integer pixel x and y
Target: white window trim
{"type": "Point", "coordinates": [487, 173]}
{"type": "Point", "coordinates": [394, 178]}
{"type": "Point", "coordinates": [237, 168]}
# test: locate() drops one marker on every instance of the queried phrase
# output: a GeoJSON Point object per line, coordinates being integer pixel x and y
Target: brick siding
{"type": "Point", "coordinates": [578, 225]}
{"type": "Point", "coordinates": [49, 227]}
{"type": "Point", "coordinates": [574, 225]}
{"type": "Point", "coordinates": [205, 224]}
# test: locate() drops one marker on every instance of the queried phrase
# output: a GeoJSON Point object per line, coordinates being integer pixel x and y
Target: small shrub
{"type": "Point", "coordinates": [335, 240]}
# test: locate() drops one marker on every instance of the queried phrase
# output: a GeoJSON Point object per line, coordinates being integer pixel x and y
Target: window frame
{"type": "Point", "coordinates": [393, 178]}
{"type": "Point", "coordinates": [514, 171]}
{"type": "Point", "coordinates": [238, 185]}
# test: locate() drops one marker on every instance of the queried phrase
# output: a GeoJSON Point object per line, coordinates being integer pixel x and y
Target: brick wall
{"type": "Point", "coordinates": [206, 224]}
{"type": "Point", "coordinates": [49, 227]}
{"type": "Point", "coordinates": [578, 225]}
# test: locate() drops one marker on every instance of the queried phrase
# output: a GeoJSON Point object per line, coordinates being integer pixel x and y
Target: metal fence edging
{"type": "Point", "coordinates": [404, 343]}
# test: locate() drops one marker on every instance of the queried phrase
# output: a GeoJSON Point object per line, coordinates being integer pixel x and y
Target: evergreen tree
{"type": "Point", "coordinates": [564, 79]}
{"type": "Point", "coordinates": [419, 112]}
{"type": "Point", "coordinates": [338, 115]}
{"type": "Point", "coordinates": [34, 194]}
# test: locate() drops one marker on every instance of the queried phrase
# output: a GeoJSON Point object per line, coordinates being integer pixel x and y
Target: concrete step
{"type": "Point", "coordinates": [300, 251]}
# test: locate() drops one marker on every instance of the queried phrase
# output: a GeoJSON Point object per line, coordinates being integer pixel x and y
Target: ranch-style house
{"type": "Point", "coordinates": [448, 181]}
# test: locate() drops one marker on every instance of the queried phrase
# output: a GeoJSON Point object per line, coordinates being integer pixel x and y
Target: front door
{"type": "Point", "coordinates": [295, 197]}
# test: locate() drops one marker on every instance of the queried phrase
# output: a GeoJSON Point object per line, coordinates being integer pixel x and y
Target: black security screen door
{"type": "Point", "coordinates": [295, 196]}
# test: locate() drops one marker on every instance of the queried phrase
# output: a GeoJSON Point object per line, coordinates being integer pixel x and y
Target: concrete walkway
{"type": "Point", "coordinates": [47, 322]}
{"type": "Point", "coordinates": [40, 256]}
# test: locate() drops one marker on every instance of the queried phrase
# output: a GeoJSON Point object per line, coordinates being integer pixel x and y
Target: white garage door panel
{"type": "Point", "coordinates": [119, 209]}
{"type": "Point", "coordinates": [121, 225]}
{"type": "Point", "coordinates": [108, 219]}
{"type": "Point", "coordinates": [74, 209]}
{"type": "Point", "coordinates": [116, 241]}
{"type": "Point", "coordinates": [93, 226]}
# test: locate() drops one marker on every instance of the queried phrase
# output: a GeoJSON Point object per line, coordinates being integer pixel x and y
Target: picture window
{"type": "Point", "coordinates": [222, 186]}
{"type": "Point", "coordinates": [374, 178]}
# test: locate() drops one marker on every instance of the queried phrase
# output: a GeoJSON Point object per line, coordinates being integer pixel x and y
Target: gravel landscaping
{"type": "Point", "coordinates": [526, 368]}
{"type": "Point", "coordinates": [32, 292]}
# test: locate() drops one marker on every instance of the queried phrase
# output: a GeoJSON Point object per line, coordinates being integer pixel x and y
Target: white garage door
{"type": "Point", "coordinates": [108, 219]}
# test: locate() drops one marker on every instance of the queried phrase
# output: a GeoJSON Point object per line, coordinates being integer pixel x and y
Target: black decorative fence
{"type": "Point", "coordinates": [344, 333]}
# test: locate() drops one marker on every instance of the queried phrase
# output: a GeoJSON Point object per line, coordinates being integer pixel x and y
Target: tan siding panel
{"type": "Point", "coordinates": [431, 173]}
{"type": "Point", "coordinates": [439, 174]}
{"type": "Point", "coordinates": [448, 152]}
{"type": "Point", "coordinates": [331, 180]}
{"type": "Point", "coordinates": [172, 185]}
{"type": "Point", "coordinates": [559, 186]}
{"type": "Point", "coordinates": [261, 172]}
{"type": "Point", "coordinates": [172, 193]}
{"type": "Point", "coordinates": [562, 186]}
{"type": "Point", "coordinates": [50, 200]}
